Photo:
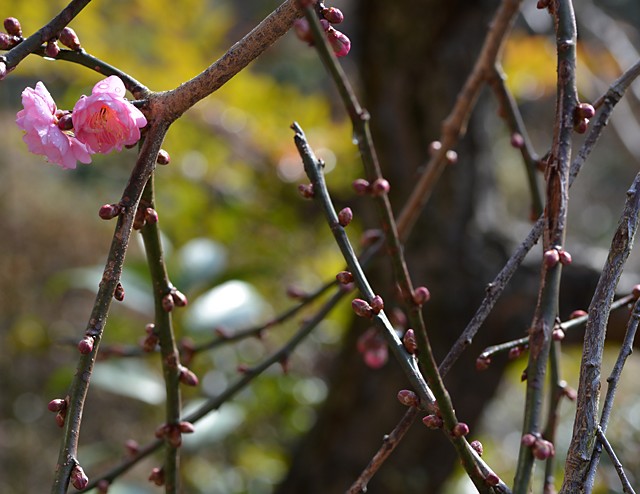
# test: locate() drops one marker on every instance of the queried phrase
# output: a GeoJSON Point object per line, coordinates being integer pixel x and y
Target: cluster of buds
{"type": "Point", "coordinates": [143, 216]}
{"type": "Point", "coordinates": [339, 42]}
{"type": "Point", "coordinates": [175, 298]}
{"type": "Point", "coordinates": [59, 407]}
{"type": "Point", "coordinates": [367, 310]}
{"type": "Point", "coordinates": [173, 432]}
{"type": "Point", "coordinates": [379, 187]}
{"type": "Point", "coordinates": [541, 448]}
{"type": "Point", "coordinates": [556, 255]}
{"type": "Point", "coordinates": [581, 116]}
{"type": "Point", "coordinates": [13, 34]}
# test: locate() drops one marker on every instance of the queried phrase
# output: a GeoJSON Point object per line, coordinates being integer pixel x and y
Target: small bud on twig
{"type": "Point", "coordinates": [408, 398]}
{"type": "Point", "coordinates": [69, 38]}
{"type": "Point", "coordinates": [483, 363]}
{"type": "Point", "coordinates": [51, 50]}
{"type": "Point", "coordinates": [421, 295]}
{"type": "Point", "coordinates": [163, 157]}
{"type": "Point", "coordinates": [377, 304]}
{"type": "Point", "coordinates": [477, 446]}
{"type": "Point", "coordinates": [361, 186]}
{"type": "Point", "coordinates": [333, 15]}
{"type": "Point", "coordinates": [362, 308]}
{"type": "Point", "coordinates": [118, 293]}
{"type": "Point", "coordinates": [157, 476]}
{"type": "Point", "coordinates": [380, 187]}
{"type": "Point", "coordinates": [345, 216]}
{"type": "Point", "coordinates": [12, 26]}
{"type": "Point", "coordinates": [460, 430]}
{"type": "Point", "coordinates": [187, 376]}
{"type": "Point", "coordinates": [78, 478]}
{"type": "Point", "coordinates": [433, 421]}
{"type": "Point", "coordinates": [409, 341]}
{"type": "Point", "coordinates": [344, 277]}
{"type": "Point", "coordinates": [85, 346]}
{"type": "Point", "coordinates": [306, 190]}
{"type": "Point", "coordinates": [109, 211]}
{"type": "Point", "coordinates": [168, 303]}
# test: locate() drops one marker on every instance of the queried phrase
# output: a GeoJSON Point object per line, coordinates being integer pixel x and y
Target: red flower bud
{"type": "Point", "coordinates": [57, 405]}
{"type": "Point", "coordinates": [492, 479]}
{"type": "Point", "coordinates": [482, 363]}
{"type": "Point", "coordinates": [132, 447]}
{"type": "Point", "coordinates": [585, 110]}
{"type": "Point", "coordinates": [150, 215]}
{"type": "Point", "coordinates": [163, 157]}
{"type": "Point", "coordinates": [52, 49]}
{"type": "Point", "coordinates": [408, 398]}
{"type": "Point", "coordinates": [7, 42]}
{"type": "Point", "coordinates": [581, 126]}
{"type": "Point", "coordinates": [380, 187]}
{"type": "Point", "coordinates": [377, 304]}
{"type": "Point", "coordinates": [118, 293]}
{"type": "Point", "coordinates": [362, 308]}
{"type": "Point", "coordinates": [60, 418]}
{"type": "Point", "coordinates": [157, 476]}
{"type": "Point", "coordinates": [557, 334]}
{"type": "Point", "coordinates": [543, 449]}
{"type": "Point", "coordinates": [432, 421]}
{"type": "Point", "coordinates": [187, 376]}
{"type": "Point", "coordinates": [517, 141]}
{"type": "Point", "coordinates": [339, 42]}
{"type": "Point", "coordinates": [85, 346]}
{"type": "Point", "coordinates": [333, 15]}
{"type": "Point", "coordinates": [409, 341]}
{"type": "Point", "coordinates": [179, 298]}
{"type": "Point", "coordinates": [565, 257]}
{"type": "Point", "coordinates": [345, 216]}
{"type": "Point", "coordinates": [635, 291]}
{"type": "Point", "coordinates": [421, 295]}
{"type": "Point", "coordinates": [306, 190]}
{"type": "Point", "coordinates": [78, 478]}
{"type": "Point", "coordinates": [578, 313]}
{"type": "Point", "coordinates": [551, 258]}
{"type": "Point", "coordinates": [109, 211]}
{"type": "Point", "coordinates": [303, 30]}
{"type": "Point", "coordinates": [167, 303]}
{"type": "Point", "coordinates": [186, 427]}
{"type": "Point", "coordinates": [69, 38]}
{"type": "Point", "coordinates": [528, 440]}
{"type": "Point", "coordinates": [344, 277]}
{"type": "Point", "coordinates": [460, 429]}
{"type": "Point", "coordinates": [65, 122]}
{"type": "Point", "coordinates": [515, 352]}
{"type": "Point", "coordinates": [361, 186]}
{"type": "Point", "coordinates": [12, 26]}
{"type": "Point", "coordinates": [477, 446]}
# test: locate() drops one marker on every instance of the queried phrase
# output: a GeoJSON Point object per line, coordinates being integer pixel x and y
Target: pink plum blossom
{"type": "Point", "coordinates": [43, 136]}
{"type": "Point", "coordinates": [105, 120]}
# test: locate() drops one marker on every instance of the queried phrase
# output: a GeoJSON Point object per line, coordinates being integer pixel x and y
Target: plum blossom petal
{"type": "Point", "coordinates": [42, 135]}
{"type": "Point", "coordinates": [105, 120]}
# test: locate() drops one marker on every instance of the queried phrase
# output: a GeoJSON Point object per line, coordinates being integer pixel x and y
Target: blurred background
{"type": "Point", "coordinates": [238, 237]}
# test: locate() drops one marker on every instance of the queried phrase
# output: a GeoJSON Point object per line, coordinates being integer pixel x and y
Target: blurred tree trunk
{"type": "Point", "coordinates": [413, 58]}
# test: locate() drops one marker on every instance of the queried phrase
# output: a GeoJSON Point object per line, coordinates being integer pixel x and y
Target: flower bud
{"type": "Point", "coordinates": [60, 418]}
{"type": "Point", "coordinates": [12, 26]}
{"type": "Point", "coordinates": [377, 304]}
{"type": "Point", "coordinates": [635, 291]}
{"type": "Point", "coordinates": [69, 38]}
{"type": "Point", "coordinates": [51, 50]}
{"type": "Point", "coordinates": [409, 341]}
{"type": "Point", "coordinates": [57, 405]}
{"type": "Point", "coordinates": [78, 478]}
{"type": "Point", "coordinates": [7, 42]}
{"type": "Point", "coordinates": [163, 157]}
{"type": "Point", "coordinates": [477, 447]}
{"type": "Point", "coordinates": [167, 303]}
{"type": "Point", "coordinates": [492, 479]}
{"type": "Point", "coordinates": [565, 257]}
{"type": "Point", "coordinates": [132, 447]}
{"type": "Point", "coordinates": [578, 313]}
{"type": "Point", "coordinates": [421, 295]}
{"type": "Point", "coordinates": [460, 430]}
{"type": "Point", "coordinates": [65, 122]}
{"type": "Point", "coordinates": [118, 293]}
{"type": "Point", "coordinates": [339, 42]}
{"type": "Point", "coordinates": [85, 346]}
{"type": "Point", "coordinates": [345, 216]}
{"type": "Point", "coordinates": [187, 376]}
{"type": "Point", "coordinates": [362, 308]}
{"type": "Point", "coordinates": [157, 476]}
{"type": "Point", "coordinates": [344, 277]}
{"type": "Point", "coordinates": [333, 15]}
{"type": "Point", "coordinates": [451, 156]}
{"type": "Point", "coordinates": [179, 298]}
{"type": "Point", "coordinates": [483, 363]}
{"type": "Point", "coordinates": [543, 449]}
{"type": "Point", "coordinates": [174, 436]}
{"type": "Point", "coordinates": [138, 219]}
{"type": "Point", "coordinates": [306, 190]}
{"type": "Point", "coordinates": [517, 141]}
{"type": "Point", "coordinates": [103, 486]}
{"type": "Point", "coordinates": [150, 343]}
{"type": "Point", "coordinates": [515, 352]}
{"type": "Point", "coordinates": [408, 398]}
{"type": "Point", "coordinates": [150, 215]}
{"type": "Point", "coordinates": [303, 30]}
{"type": "Point", "coordinates": [186, 427]}
{"type": "Point", "coordinates": [528, 440]}
{"type": "Point", "coordinates": [432, 421]}
{"type": "Point", "coordinates": [551, 258]}
{"type": "Point", "coordinates": [581, 126]}
{"type": "Point", "coordinates": [557, 334]}
{"type": "Point", "coordinates": [109, 211]}
{"type": "Point", "coordinates": [585, 110]}
{"type": "Point", "coordinates": [361, 186]}
{"type": "Point", "coordinates": [380, 187]}
{"type": "Point", "coordinates": [434, 147]}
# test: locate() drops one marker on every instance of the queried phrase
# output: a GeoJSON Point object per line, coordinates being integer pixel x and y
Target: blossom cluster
{"type": "Point", "coordinates": [98, 123]}
{"type": "Point", "coordinates": [339, 42]}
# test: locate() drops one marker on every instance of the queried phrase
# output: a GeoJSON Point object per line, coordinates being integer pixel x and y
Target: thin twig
{"type": "Point", "coordinates": [170, 358]}
{"type": "Point", "coordinates": [19, 52]}
{"type": "Point", "coordinates": [388, 445]}
{"type": "Point", "coordinates": [625, 350]}
{"type": "Point", "coordinates": [557, 196]}
{"type": "Point", "coordinates": [626, 485]}
{"type": "Point", "coordinates": [585, 424]}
